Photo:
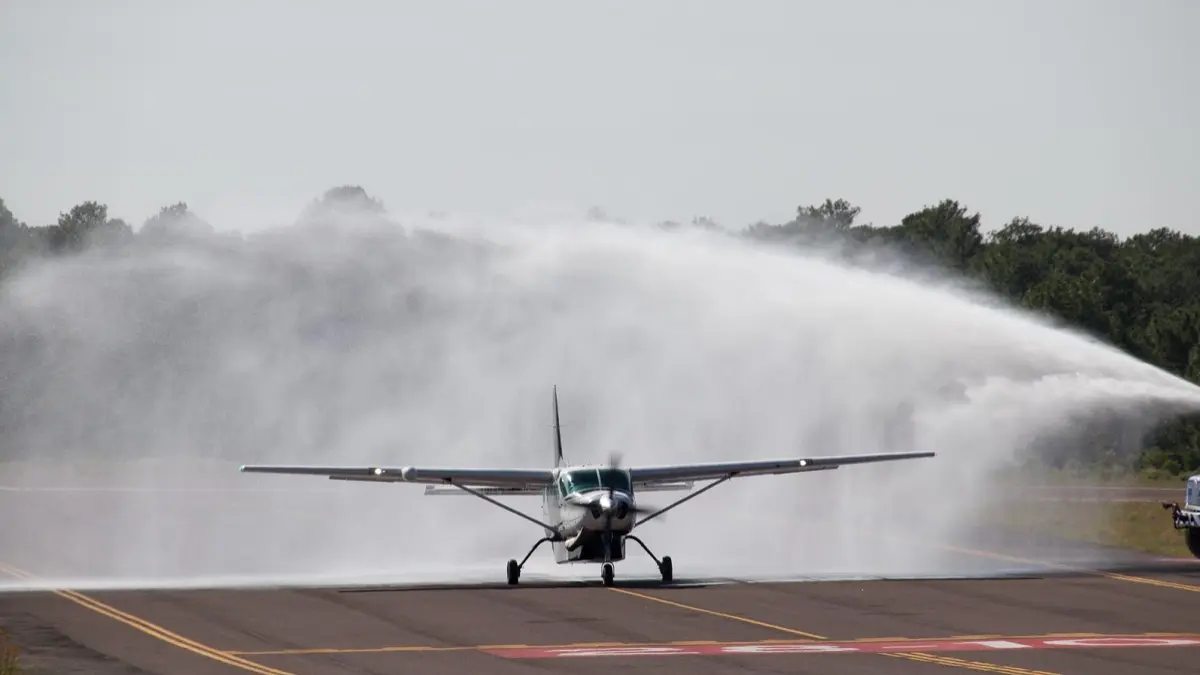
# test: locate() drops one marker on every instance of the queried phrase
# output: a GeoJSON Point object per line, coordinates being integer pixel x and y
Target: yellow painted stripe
{"type": "Point", "coordinates": [153, 630]}
{"type": "Point", "coordinates": [1069, 568]}
{"type": "Point", "coordinates": [1161, 583]}
{"type": "Point", "coordinates": [723, 615]}
{"type": "Point", "coordinates": [971, 665]}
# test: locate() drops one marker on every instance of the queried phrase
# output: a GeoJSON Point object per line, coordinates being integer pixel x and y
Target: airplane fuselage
{"type": "Point", "coordinates": [584, 505]}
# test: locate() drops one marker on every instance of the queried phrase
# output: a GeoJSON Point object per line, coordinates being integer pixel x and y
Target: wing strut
{"type": "Point", "coordinates": [506, 507]}
{"type": "Point", "coordinates": [697, 493]}
{"type": "Point", "coordinates": [681, 500]}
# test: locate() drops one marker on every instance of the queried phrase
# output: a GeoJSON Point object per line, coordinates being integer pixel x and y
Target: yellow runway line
{"type": "Point", "coordinates": [151, 629]}
{"type": "Point", "coordinates": [1070, 568]}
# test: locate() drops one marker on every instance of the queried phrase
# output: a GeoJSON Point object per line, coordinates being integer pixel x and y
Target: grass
{"type": "Point", "coordinates": [9, 657]}
{"type": "Point", "coordinates": [1140, 526]}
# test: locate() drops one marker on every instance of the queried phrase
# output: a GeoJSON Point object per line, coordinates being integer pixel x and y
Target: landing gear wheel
{"type": "Point", "coordinates": [514, 572]}
{"type": "Point", "coordinates": [606, 574]}
{"type": "Point", "coordinates": [665, 568]}
{"type": "Point", "coordinates": [1192, 536]}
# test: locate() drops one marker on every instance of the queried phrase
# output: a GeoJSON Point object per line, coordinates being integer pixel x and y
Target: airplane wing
{"type": "Point", "coordinates": [643, 475]}
{"type": "Point", "coordinates": [412, 474]}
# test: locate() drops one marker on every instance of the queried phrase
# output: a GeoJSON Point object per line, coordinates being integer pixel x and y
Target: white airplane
{"type": "Point", "coordinates": [589, 511]}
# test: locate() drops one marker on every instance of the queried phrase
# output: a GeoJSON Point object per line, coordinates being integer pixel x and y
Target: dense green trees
{"type": "Point", "coordinates": [1141, 293]}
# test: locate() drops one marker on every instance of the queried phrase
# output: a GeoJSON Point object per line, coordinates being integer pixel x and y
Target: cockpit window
{"type": "Point", "coordinates": [617, 479]}
{"type": "Point", "coordinates": [580, 480]}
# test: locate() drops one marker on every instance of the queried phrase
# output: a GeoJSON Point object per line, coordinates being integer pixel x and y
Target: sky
{"type": "Point", "coordinates": [1075, 113]}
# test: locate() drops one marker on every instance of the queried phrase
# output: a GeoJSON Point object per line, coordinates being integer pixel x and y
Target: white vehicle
{"type": "Point", "coordinates": [1187, 517]}
{"type": "Point", "coordinates": [589, 512]}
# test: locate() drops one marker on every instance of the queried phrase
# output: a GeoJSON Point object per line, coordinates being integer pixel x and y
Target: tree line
{"type": "Point", "coordinates": [1140, 294]}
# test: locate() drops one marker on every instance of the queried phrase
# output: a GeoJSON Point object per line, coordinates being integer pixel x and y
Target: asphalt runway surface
{"type": "Point", "coordinates": [1093, 611]}
{"type": "Point", "coordinates": [1140, 618]}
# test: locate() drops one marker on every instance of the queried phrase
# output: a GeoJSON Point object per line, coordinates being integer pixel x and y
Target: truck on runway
{"type": "Point", "coordinates": [1187, 517]}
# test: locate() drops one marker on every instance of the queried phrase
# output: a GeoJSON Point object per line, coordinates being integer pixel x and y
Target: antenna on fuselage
{"type": "Point", "coordinates": [558, 449]}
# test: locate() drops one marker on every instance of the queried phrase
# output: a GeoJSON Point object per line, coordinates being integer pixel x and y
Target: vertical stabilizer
{"type": "Point", "coordinates": [558, 450]}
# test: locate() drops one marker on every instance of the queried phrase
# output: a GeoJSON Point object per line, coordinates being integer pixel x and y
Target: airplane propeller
{"type": "Point", "coordinates": [608, 506]}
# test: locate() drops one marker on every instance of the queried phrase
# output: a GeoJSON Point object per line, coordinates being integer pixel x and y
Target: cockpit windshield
{"type": "Point", "coordinates": [581, 480]}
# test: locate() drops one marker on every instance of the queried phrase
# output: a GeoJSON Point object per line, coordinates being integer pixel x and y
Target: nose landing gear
{"type": "Point", "coordinates": [665, 568]}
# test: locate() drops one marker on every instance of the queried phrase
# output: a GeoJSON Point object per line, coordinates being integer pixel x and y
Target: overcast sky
{"type": "Point", "coordinates": [1077, 113]}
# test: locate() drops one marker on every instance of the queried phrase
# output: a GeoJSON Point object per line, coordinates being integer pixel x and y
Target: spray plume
{"type": "Point", "coordinates": [137, 380]}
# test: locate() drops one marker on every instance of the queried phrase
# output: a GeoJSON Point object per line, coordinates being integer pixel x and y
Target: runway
{"type": "Point", "coordinates": [1011, 612]}
{"type": "Point", "coordinates": [1056, 621]}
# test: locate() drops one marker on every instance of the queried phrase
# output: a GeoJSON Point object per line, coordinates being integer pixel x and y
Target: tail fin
{"type": "Point", "coordinates": [558, 449]}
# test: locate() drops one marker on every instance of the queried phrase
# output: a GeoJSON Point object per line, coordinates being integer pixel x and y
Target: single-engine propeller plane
{"type": "Point", "coordinates": [589, 511]}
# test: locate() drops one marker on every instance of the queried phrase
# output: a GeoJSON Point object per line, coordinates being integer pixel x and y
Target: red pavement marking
{"type": "Point", "coordinates": [844, 647]}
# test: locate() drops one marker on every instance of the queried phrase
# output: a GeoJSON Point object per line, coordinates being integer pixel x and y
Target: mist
{"type": "Point", "coordinates": [138, 379]}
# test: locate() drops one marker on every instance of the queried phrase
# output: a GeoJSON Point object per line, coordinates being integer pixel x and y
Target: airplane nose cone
{"type": "Point", "coordinates": [606, 508]}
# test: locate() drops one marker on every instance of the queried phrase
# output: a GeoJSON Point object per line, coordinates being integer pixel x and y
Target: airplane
{"type": "Point", "coordinates": [589, 511]}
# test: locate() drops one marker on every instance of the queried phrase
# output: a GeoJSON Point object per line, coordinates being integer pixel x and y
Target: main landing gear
{"type": "Point", "coordinates": [664, 565]}
{"type": "Point", "coordinates": [607, 569]}
{"type": "Point", "coordinates": [514, 567]}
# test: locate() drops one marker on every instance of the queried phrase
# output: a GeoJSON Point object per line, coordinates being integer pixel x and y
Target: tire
{"type": "Point", "coordinates": [607, 574]}
{"type": "Point", "coordinates": [668, 572]}
{"type": "Point", "coordinates": [1192, 537]}
{"type": "Point", "coordinates": [514, 572]}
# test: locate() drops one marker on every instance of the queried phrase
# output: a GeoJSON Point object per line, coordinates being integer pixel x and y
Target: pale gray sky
{"type": "Point", "coordinates": [1078, 113]}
